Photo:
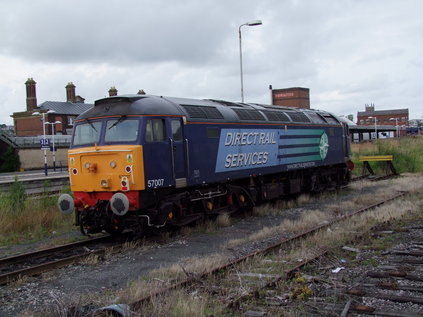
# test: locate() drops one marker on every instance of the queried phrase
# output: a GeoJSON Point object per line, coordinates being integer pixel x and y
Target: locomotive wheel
{"type": "Point", "coordinates": [84, 228]}
{"type": "Point", "coordinates": [114, 228]}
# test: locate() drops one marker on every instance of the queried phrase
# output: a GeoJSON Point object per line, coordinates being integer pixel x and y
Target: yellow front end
{"type": "Point", "coordinates": [109, 168]}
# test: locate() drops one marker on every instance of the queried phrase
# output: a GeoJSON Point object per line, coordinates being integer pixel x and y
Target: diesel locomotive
{"type": "Point", "coordinates": [144, 161]}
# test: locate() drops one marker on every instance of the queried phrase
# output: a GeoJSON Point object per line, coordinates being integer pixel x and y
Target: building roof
{"type": "Point", "coordinates": [67, 108]}
{"type": "Point", "coordinates": [382, 112]}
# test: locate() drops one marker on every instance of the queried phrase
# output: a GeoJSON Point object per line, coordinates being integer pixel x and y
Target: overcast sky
{"type": "Point", "coordinates": [348, 52]}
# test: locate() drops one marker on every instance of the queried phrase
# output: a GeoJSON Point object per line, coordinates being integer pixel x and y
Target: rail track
{"type": "Point", "coordinates": [232, 298]}
{"type": "Point", "coordinates": [396, 278]}
{"type": "Point", "coordinates": [34, 263]}
{"type": "Point", "coordinates": [38, 186]}
{"type": "Point", "coordinates": [372, 178]}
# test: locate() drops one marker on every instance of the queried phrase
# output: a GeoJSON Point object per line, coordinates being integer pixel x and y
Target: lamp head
{"type": "Point", "coordinates": [253, 23]}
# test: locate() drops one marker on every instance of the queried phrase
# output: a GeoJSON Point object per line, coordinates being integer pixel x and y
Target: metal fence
{"type": "Point", "coordinates": [60, 141]}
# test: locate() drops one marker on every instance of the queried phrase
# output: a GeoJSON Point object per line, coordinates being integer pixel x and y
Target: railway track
{"type": "Point", "coordinates": [372, 178]}
{"type": "Point", "coordinates": [228, 274]}
{"type": "Point", "coordinates": [395, 279]}
{"type": "Point", "coordinates": [34, 263]}
{"type": "Point", "coordinates": [38, 186]}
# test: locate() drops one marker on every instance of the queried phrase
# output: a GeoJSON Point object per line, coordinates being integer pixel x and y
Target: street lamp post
{"type": "Point", "coordinates": [43, 119]}
{"type": "Point", "coordinates": [53, 124]}
{"type": "Point", "coordinates": [396, 125]}
{"type": "Point", "coordinates": [251, 23]}
{"type": "Point", "coordinates": [375, 126]}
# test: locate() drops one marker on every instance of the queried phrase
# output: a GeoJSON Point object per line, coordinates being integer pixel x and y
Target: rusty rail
{"type": "Point", "coordinates": [45, 253]}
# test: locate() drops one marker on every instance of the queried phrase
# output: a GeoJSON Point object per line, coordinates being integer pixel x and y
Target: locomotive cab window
{"type": "Point", "coordinates": [121, 130]}
{"type": "Point", "coordinates": [176, 130]}
{"type": "Point", "coordinates": [87, 133]}
{"type": "Point", "coordinates": [155, 130]}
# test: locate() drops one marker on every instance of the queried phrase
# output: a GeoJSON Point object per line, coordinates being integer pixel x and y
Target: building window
{"type": "Point", "coordinates": [70, 121]}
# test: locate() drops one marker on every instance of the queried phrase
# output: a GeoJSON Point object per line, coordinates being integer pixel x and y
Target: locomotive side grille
{"type": "Point", "coordinates": [202, 112]}
{"type": "Point", "coordinates": [246, 114]}
{"type": "Point", "coordinates": [276, 116]}
{"type": "Point", "coordinates": [330, 119]}
{"type": "Point", "coordinates": [316, 117]}
{"type": "Point", "coordinates": [212, 113]}
{"type": "Point", "coordinates": [298, 117]}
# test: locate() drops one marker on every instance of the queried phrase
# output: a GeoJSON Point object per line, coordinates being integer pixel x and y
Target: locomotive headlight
{"type": "Point", "coordinates": [87, 165]}
{"type": "Point", "coordinates": [112, 164]}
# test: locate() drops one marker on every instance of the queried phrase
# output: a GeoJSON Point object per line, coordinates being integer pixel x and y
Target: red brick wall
{"type": "Point", "coordinates": [292, 97]}
{"type": "Point", "coordinates": [28, 126]}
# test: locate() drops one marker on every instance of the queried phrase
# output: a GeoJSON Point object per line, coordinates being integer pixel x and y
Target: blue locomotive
{"type": "Point", "coordinates": [149, 161]}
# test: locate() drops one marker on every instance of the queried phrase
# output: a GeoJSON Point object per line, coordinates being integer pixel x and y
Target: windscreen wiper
{"type": "Point", "coordinates": [91, 124]}
{"type": "Point", "coordinates": [122, 118]}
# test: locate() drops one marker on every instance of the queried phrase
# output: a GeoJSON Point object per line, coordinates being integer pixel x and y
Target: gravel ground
{"type": "Point", "coordinates": [68, 284]}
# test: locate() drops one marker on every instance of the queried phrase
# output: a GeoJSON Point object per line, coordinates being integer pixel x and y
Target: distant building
{"type": "Point", "coordinates": [297, 97]}
{"type": "Point", "coordinates": [28, 124]}
{"type": "Point", "coordinates": [395, 117]}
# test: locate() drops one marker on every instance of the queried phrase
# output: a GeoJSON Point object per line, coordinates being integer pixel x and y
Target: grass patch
{"type": "Point", "coordinates": [407, 152]}
{"type": "Point", "coordinates": [23, 220]}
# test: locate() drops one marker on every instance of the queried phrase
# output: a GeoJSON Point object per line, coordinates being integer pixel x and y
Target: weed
{"type": "Point", "coordinates": [302, 292]}
{"type": "Point", "coordinates": [15, 197]}
{"type": "Point", "coordinates": [24, 220]}
{"type": "Point", "coordinates": [370, 262]}
{"type": "Point", "coordinates": [92, 259]}
{"type": "Point", "coordinates": [223, 220]}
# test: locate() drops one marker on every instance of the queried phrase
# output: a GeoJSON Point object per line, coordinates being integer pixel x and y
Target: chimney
{"type": "Point", "coordinates": [370, 108]}
{"type": "Point", "coordinates": [113, 91]}
{"type": "Point", "coordinates": [70, 92]}
{"type": "Point", "coordinates": [141, 92]}
{"type": "Point", "coordinates": [31, 96]}
{"type": "Point", "coordinates": [79, 99]}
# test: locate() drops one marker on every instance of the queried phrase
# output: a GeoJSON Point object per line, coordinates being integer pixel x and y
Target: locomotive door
{"type": "Point", "coordinates": [178, 152]}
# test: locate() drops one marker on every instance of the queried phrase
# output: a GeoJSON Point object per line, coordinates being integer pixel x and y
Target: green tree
{"type": "Point", "coordinates": [9, 161]}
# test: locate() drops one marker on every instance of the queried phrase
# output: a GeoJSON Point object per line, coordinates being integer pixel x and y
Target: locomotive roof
{"type": "Point", "coordinates": [204, 110]}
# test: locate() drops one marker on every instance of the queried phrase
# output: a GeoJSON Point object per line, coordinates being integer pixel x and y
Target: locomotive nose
{"type": "Point", "coordinates": [66, 204]}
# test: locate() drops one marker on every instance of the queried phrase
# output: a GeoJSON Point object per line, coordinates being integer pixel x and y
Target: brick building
{"type": "Point", "coordinates": [396, 117]}
{"type": "Point", "coordinates": [28, 124]}
{"type": "Point", "coordinates": [297, 97]}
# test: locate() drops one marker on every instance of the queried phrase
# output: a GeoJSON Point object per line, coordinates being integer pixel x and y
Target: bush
{"type": "Point", "coordinates": [9, 161]}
